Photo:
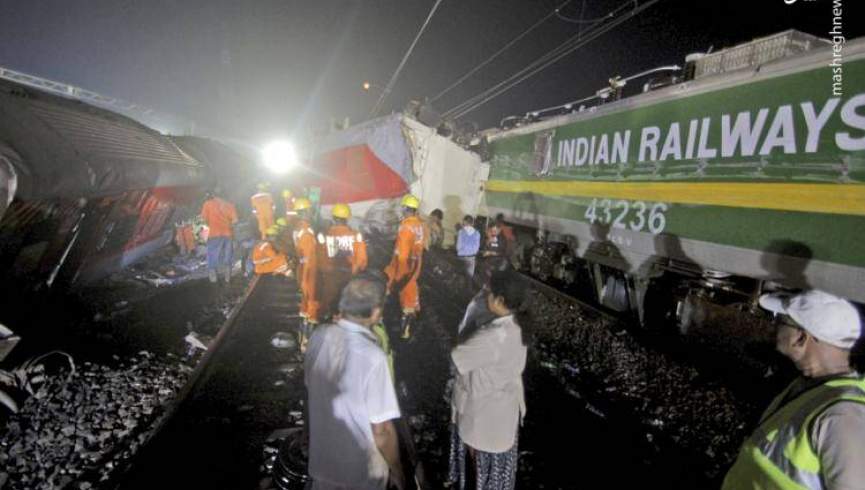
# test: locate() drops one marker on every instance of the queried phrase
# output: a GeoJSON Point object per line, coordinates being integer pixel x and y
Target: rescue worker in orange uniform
{"type": "Point", "coordinates": [344, 255]}
{"type": "Point", "coordinates": [267, 259]}
{"type": "Point", "coordinates": [404, 268]}
{"type": "Point", "coordinates": [262, 207]}
{"type": "Point", "coordinates": [220, 216]}
{"type": "Point", "coordinates": [307, 268]}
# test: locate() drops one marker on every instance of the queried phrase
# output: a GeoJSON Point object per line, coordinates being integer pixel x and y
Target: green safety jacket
{"type": "Point", "coordinates": [779, 455]}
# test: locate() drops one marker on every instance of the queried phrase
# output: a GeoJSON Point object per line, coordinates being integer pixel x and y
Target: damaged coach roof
{"type": "Point", "coordinates": [65, 148]}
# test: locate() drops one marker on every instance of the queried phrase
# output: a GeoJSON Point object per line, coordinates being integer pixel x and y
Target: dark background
{"type": "Point", "coordinates": [255, 70]}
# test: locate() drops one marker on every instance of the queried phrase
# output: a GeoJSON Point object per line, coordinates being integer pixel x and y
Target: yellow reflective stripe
{"type": "Point", "coordinates": [813, 198]}
{"type": "Point", "coordinates": [799, 453]}
{"type": "Point", "coordinates": [847, 382]}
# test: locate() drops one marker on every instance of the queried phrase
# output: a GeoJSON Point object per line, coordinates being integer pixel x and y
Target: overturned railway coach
{"type": "Point", "coordinates": [88, 191]}
{"type": "Point", "coordinates": [751, 168]}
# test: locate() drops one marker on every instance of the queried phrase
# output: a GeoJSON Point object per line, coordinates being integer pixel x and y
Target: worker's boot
{"type": "Point", "coordinates": [407, 320]}
{"type": "Point", "coordinates": [227, 275]}
{"type": "Point", "coordinates": [301, 338]}
{"type": "Point", "coordinates": [211, 274]}
{"type": "Point", "coordinates": [305, 331]}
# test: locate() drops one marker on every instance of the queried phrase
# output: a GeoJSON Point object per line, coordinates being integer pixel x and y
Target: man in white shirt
{"type": "Point", "coordinates": [352, 402]}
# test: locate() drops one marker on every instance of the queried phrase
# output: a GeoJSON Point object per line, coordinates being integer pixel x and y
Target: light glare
{"type": "Point", "coordinates": [279, 156]}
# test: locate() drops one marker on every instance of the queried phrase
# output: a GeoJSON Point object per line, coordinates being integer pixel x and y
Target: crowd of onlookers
{"type": "Point", "coordinates": [353, 406]}
{"type": "Point", "coordinates": [812, 436]}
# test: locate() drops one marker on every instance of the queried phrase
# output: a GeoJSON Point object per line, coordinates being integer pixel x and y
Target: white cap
{"type": "Point", "coordinates": [825, 316]}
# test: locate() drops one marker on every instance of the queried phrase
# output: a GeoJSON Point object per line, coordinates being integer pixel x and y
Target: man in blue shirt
{"type": "Point", "coordinates": [468, 244]}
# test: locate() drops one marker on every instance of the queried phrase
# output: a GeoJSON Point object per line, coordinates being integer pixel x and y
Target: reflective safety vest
{"type": "Point", "coordinates": [779, 454]}
{"type": "Point", "coordinates": [343, 247]}
{"type": "Point", "coordinates": [304, 241]}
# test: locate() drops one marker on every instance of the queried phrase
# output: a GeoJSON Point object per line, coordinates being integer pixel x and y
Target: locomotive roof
{"type": "Point", "coordinates": [818, 57]}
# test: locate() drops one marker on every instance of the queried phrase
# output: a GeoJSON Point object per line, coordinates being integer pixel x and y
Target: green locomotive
{"type": "Point", "coordinates": [746, 169]}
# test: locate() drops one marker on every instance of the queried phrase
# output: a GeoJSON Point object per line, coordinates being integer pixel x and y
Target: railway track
{"type": "Point", "coordinates": [244, 389]}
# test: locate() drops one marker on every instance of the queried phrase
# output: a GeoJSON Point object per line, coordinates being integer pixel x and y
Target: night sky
{"type": "Point", "coordinates": [259, 69]}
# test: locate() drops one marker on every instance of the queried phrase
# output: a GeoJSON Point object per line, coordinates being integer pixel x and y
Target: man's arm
{"type": "Point", "coordinates": [476, 245]}
{"type": "Point", "coordinates": [838, 436]}
{"type": "Point", "coordinates": [387, 443]}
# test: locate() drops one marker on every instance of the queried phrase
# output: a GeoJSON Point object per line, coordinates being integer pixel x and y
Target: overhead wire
{"type": "Point", "coordinates": [544, 61]}
{"type": "Point", "coordinates": [393, 78]}
{"type": "Point", "coordinates": [568, 42]}
{"type": "Point", "coordinates": [561, 16]}
{"type": "Point", "coordinates": [495, 55]}
{"type": "Point", "coordinates": [567, 47]}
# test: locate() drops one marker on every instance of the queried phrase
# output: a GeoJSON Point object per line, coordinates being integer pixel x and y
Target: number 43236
{"type": "Point", "coordinates": [621, 214]}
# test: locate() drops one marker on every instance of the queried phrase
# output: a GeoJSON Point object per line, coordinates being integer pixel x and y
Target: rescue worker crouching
{"type": "Point", "coordinates": [404, 269]}
{"type": "Point", "coordinates": [262, 207]}
{"type": "Point", "coordinates": [343, 255]}
{"type": "Point", "coordinates": [267, 259]}
{"type": "Point", "coordinates": [305, 248]}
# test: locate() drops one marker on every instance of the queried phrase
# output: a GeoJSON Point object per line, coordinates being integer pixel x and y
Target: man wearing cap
{"type": "Point", "coordinates": [812, 436]}
{"type": "Point", "coordinates": [404, 268]}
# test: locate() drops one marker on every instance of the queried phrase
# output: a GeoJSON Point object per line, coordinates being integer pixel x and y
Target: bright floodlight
{"type": "Point", "coordinates": [279, 156]}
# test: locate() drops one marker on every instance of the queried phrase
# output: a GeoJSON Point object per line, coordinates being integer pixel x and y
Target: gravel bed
{"type": "Point", "coordinates": [681, 405]}
{"type": "Point", "coordinates": [80, 425]}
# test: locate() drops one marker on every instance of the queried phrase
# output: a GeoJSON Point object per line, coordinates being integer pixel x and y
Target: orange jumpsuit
{"type": "Point", "coordinates": [307, 269]}
{"type": "Point", "coordinates": [343, 254]}
{"type": "Point", "coordinates": [267, 260]}
{"type": "Point", "coordinates": [404, 268]}
{"type": "Point", "coordinates": [262, 206]}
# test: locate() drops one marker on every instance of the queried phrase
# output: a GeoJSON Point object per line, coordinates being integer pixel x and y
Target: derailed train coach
{"type": "Point", "coordinates": [85, 191]}
{"type": "Point", "coordinates": [370, 166]}
{"type": "Point", "coordinates": [746, 173]}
